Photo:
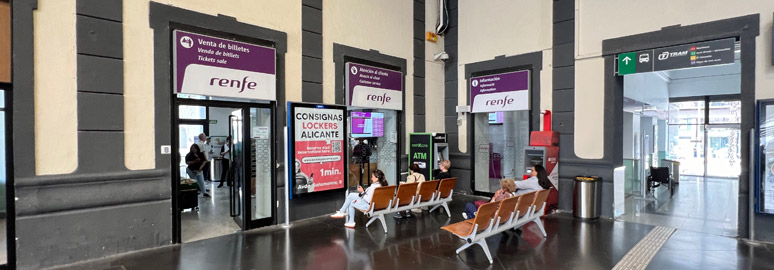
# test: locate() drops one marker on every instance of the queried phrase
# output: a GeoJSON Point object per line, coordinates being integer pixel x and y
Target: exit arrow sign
{"type": "Point", "coordinates": [627, 63]}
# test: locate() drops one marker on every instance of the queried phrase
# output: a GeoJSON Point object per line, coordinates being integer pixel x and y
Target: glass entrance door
{"type": "Point", "coordinates": [723, 156]}
{"type": "Point", "coordinates": [253, 168]}
{"type": "Point", "coordinates": [704, 135]}
{"type": "Point", "coordinates": [261, 166]}
{"type": "Point", "coordinates": [236, 196]}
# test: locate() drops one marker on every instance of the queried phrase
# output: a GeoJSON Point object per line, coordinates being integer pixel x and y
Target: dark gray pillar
{"type": "Point", "coordinates": [419, 66]}
{"type": "Point", "coordinates": [311, 51]}
{"type": "Point", "coordinates": [460, 161]}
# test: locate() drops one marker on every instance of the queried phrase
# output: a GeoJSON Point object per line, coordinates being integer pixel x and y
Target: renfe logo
{"type": "Point", "coordinates": [234, 83]}
{"type": "Point", "coordinates": [383, 98]}
{"type": "Point", "coordinates": [500, 102]}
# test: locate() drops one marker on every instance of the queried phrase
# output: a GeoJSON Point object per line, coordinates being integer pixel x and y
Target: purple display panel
{"type": "Point", "coordinates": [500, 92]}
{"type": "Point", "coordinates": [211, 66]}
{"type": "Point", "coordinates": [372, 87]}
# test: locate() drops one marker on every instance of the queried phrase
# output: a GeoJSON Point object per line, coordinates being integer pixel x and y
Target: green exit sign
{"type": "Point", "coordinates": [627, 63]}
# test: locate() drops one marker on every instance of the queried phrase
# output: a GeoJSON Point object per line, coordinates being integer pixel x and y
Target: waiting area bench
{"type": "Point", "coordinates": [496, 217]}
{"type": "Point", "coordinates": [386, 200]}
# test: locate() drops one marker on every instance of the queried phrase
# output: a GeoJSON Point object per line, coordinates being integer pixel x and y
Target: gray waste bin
{"type": "Point", "coordinates": [586, 197]}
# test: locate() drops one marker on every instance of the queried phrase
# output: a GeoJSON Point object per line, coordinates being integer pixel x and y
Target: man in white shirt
{"type": "Point", "coordinates": [206, 148]}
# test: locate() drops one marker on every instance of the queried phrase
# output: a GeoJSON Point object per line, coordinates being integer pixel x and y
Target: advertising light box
{"type": "Point", "coordinates": [317, 155]}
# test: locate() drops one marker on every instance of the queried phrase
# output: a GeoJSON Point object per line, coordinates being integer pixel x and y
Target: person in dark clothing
{"type": "Point", "coordinates": [226, 155]}
{"type": "Point", "coordinates": [445, 165]}
{"type": "Point", "coordinates": [196, 161]}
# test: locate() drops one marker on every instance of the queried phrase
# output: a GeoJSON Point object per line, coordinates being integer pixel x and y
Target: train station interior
{"type": "Point", "coordinates": [410, 134]}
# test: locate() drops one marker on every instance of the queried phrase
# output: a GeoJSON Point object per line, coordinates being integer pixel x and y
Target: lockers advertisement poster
{"type": "Point", "coordinates": [317, 142]}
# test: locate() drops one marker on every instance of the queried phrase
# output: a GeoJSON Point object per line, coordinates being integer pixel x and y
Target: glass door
{"type": "Point", "coordinates": [236, 194]}
{"type": "Point", "coordinates": [261, 169]}
{"type": "Point", "coordinates": [253, 168]}
{"type": "Point", "coordinates": [723, 154]}
{"type": "Point", "coordinates": [687, 121]}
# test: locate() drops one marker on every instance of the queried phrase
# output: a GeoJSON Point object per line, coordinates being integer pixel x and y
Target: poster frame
{"type": "Point", "coordinates": [290, 159]}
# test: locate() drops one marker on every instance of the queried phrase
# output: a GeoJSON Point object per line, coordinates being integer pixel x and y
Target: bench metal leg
{"type": "Point", "coordinates": [484, 246]}
{"type": "Point", "coordinates": [445, 207]}
{"type": "Point", "coordinates": [463, 247]}
{"type": "Point", "coordinates": [540, 225]}
{"type": "Point", "coordinates": [384, 223]}
{"type": "Point", "coordinates": [381, 219]}
{"type": "Point", "coordinates": [371, 221]}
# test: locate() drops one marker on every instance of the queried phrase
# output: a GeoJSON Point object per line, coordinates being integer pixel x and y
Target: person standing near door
{"type": "Point", "coordinates": [196, 161]}
{"type": "Point", "coordinates": [206, 149]}
{"type": "Point", "coordinates": [225, 161]}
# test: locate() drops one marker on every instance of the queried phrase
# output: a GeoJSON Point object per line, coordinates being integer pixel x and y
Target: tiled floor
{"type": "Point", "coordinates": [418, 243]}
{"type": "Point", "coordinates": [212, 219]}
{"type": "Point", "coordinates": [701, 205]}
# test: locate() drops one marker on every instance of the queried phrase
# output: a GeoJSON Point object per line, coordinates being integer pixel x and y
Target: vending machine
{"type": "Point", "coordinates": [427, 150]}
{"type": "Point", "coordinates": [543, 149]}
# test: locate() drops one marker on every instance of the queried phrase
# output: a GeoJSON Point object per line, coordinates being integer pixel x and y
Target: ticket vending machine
{"type": "Point", "coordinates": [543, 149]}
{"type": "Point", "coordinates": [427, 150]}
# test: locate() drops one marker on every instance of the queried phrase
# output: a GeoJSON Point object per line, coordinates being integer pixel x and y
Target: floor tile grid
{"type": "Point", "coordinates": [642, 253]}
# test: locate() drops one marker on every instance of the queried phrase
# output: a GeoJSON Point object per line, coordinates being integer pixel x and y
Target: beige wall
{"type": "Point", "coordinates": [434, 75]}
{"type": "Point", "coordinates": [385, 26]}
{"type": "Point", "coordinates": [597, 20]}
{"type": "Point", "coordinates": [139, 141]}
{"type": "Point", "coordinates": [56, 117]}
{"type": "Point", "coordinates": [501, 27]}
{"type": "Point", "coordinates": [5, 41]}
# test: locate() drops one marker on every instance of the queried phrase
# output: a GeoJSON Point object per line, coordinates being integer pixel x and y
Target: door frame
{"type": "Point", "coordinates": [245, 106]}
{"type": "Point", "coordinates": [744, 28]}
{"type": "Point", "coordinates": [10, 202]}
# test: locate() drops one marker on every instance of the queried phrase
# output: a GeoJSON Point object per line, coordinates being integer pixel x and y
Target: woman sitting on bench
{"type": "Point", "coordinates": [361, 200]}
{"type": "Point", "coordinates": [538, 181]}
{"type": "Point", "coordinates": [507, 187]}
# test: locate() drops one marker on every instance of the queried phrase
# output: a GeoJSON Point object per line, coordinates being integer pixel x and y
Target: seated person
{"type": "Point", "coordinates": [414, 177]}
{"type": "Point", "coordinates": [361, 200]}
{"type": "Point", "coordinates": [445, 165]}
{"type": "Point", "coordinates": [507, 187]}
{"type": "Point", "coordinates": [538, 181]}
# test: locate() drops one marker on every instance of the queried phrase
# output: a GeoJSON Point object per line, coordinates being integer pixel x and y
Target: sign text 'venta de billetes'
{"type": "Point", "coordinates": [211, 66]}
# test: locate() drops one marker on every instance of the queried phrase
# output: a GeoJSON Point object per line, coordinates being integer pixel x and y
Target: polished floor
{"type": "Point", "coordinates": [706, 205]}
{"type": "Point", "coordinates": [211, 220]}
{"type": "Point", "coordinates": [418, 243]}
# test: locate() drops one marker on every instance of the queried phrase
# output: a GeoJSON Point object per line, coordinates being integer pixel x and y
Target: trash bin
{"type": "Point", "coordinates": [586, 197]}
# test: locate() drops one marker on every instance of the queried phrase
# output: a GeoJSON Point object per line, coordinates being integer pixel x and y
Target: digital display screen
{"type": "Point", "coordinates": [496, 117]}
{"type": "Point", "coordinates": [367, 124]}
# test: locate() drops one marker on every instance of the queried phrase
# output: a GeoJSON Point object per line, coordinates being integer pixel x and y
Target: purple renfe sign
{"type": "Point", "coordinates": [210, 66]}
{"type": "Point", "coordinates": [372, 87]}
{"type": "Point", "coordinates": [500, 92]}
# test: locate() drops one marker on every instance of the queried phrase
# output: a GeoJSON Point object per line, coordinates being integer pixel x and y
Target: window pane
{"type": "Point", "coordinates": [192, 112]}
{"type": "Point", "coordinates": [500, 143]}
{"type": "Point", "coordinates": [686, 112]}
{"type": "Point", "coordinates": [725, 112]}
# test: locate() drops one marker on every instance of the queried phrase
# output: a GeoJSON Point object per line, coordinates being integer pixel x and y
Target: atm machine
{"type": "Point", "coordinates": [543, 149]}
{"type": "Point", "coordinates": [427, 150]}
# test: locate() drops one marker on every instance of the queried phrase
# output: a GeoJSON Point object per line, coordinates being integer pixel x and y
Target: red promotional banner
{"type": "Point", "coordinates": [318, 149]}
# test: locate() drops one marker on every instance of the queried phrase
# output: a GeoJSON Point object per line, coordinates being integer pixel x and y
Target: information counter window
{"type": "Point", "coordinates": [500, 142]}
{"type": "Point", "coordinates": [373, 144]}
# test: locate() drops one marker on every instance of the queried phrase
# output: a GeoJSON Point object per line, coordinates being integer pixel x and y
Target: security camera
{"type": "Point", "coordinates": [443, 56]}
